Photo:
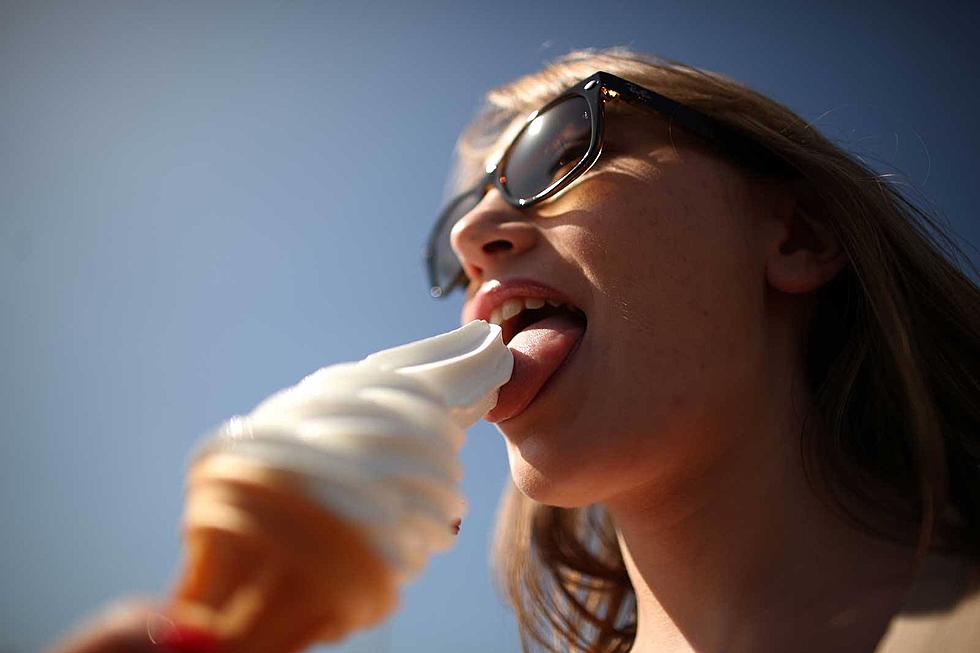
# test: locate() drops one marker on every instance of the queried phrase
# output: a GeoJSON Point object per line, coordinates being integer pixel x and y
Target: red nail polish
{"type": "Point", "coordinates": [187, 639]}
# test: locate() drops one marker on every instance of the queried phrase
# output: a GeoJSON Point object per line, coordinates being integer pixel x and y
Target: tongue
{"type": "Point", "coordinates": [538, 352]}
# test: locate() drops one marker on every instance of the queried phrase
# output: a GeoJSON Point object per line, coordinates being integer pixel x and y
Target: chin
{"type": "Point", "coordinates": [556, 490]}
{"type": "Point", "coordinates": [555, 465]}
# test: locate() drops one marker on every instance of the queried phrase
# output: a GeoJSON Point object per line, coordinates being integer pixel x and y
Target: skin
{"type": "Point", "coordinates": [682, 407]}
{"type": "Point", "coordinates": [123, 627]}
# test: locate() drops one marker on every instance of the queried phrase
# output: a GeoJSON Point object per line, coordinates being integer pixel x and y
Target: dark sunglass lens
{"type": "Point", "coordinates": [444, 267]}
{"type": "Point", "coordinates": [548, 148]}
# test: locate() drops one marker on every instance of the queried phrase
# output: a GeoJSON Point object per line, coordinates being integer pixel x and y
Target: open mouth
{"type": "Point", "coordinates": [517, 314]}
{"type": "Point", "coordinates": [541, 335]}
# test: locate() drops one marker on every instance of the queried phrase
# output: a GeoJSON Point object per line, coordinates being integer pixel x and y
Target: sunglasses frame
{"type": "Point", "coordinates": [597, 89]}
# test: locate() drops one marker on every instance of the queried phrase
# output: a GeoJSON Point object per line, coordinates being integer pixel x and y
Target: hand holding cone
{"type": "Point", "coordinates": [270, 570]}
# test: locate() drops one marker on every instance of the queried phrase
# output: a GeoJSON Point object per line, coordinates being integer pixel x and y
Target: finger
{"type": "Point", "coordinates": [172, 637]}
{"type": "Point", "coordinates": [122, 628]}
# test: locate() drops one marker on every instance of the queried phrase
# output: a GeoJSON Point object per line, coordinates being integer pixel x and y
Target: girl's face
{"type": "Point", "coordinates": [662, 246]}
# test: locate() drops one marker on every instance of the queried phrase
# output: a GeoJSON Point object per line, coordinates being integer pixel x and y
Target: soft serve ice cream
{"type": "Point", "coordinates": [376, 441]}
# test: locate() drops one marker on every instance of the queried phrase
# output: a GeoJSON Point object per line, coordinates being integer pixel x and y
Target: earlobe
{"type": "Point", "coordinates": [803, 254]}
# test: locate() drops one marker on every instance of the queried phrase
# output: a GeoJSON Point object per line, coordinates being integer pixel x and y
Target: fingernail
{"type": "Point", "coordinates": [179, 638]}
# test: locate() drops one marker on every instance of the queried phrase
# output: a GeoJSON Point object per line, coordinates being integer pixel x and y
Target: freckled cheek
{"type": "Point", "coordinates": [668, 311]}
{"type": "Point", "coordinates": [639, 271]}
{"type": "Point", "coordinates": [615, 254]}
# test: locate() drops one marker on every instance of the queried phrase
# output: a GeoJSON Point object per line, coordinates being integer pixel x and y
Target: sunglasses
{"type": "Point", "coordinates": [559, 143]}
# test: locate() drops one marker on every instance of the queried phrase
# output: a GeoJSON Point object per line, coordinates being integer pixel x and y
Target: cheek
{"type": "Point", "coordinates": [673, 276]}
{"type": "Point", "coordinates": [687, 301]}
{"type": "Point", "coordinates": [674, 346]}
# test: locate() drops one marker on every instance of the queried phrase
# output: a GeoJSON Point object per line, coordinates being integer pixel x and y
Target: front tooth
{"type": "Point", "coordinates": [533, 302]}
{"type": "Point", "coordinates": [512, 307]}
{"type": "Point", "coordinates": [495, 317]}
{"type": "Point", "coordinates": [554, 303]}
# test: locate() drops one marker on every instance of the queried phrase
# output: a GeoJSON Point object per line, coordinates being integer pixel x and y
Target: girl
{"type": "Point", "coordinates": [744, 412]}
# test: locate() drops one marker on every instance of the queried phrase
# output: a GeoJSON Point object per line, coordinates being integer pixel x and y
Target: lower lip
{"type": "Point", "coordinates": [540, 351]}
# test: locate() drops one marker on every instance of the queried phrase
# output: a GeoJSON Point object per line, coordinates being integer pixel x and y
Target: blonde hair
{"type": "Point", "coordinates": [892, 351]}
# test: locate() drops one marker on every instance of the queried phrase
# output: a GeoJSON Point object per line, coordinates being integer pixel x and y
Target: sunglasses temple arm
{"type": "Point", "coordinates": [740, 147]}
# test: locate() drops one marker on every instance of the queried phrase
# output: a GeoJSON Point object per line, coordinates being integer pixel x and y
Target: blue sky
{"type": "Point", "coordinates": [201, 202]}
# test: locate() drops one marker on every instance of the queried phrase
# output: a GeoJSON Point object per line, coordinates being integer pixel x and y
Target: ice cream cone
{"type": "Point", "coordinates": [305, 516]}
{"type": "Point", "coordinates": [268, 568]}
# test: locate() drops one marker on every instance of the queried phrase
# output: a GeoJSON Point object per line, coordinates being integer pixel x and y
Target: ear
{"type": "Point", "coordinates": [802, 253]}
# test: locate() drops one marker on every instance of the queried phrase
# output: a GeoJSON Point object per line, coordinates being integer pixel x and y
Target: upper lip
{"type": "Point", "coordinates": [494, 292]}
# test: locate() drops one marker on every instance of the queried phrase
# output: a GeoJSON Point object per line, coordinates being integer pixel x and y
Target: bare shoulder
{"type": "Point", "coordinates": [942, 611]}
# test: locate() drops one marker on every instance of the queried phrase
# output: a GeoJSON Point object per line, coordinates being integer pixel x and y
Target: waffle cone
{"type": "Point", "coordinates": [268, 569]}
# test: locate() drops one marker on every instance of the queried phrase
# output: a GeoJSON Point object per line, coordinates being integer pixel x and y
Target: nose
{"type": "Point", "coordinates": [491, 235]}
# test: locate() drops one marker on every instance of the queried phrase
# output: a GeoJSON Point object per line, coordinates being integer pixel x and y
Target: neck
{"type": "Point", "coordinates": [745, 557]}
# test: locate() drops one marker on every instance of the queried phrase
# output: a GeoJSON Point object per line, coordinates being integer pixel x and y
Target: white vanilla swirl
{"type": "Point", "coordinates": [378, 441]}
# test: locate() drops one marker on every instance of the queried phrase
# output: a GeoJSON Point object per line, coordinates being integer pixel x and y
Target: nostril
{"type": "Point", "coordinates": [498, 246]}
